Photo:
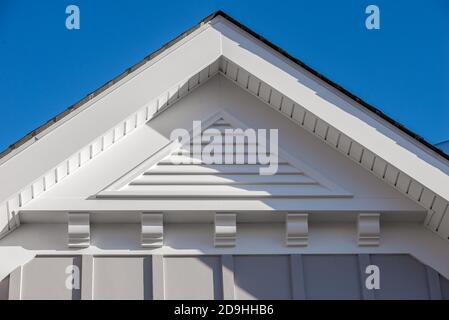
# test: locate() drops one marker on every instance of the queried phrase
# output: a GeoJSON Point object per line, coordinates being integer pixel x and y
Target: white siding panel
{"type": "Point", "coordinates": [122, 278]}
{"type": "Point", "coordinates": [45, 278]}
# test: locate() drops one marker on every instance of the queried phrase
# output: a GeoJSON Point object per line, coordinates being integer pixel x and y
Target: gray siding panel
{"type": "Point", "coordinates": [193, 278]}
{"type": "Point", "coordinates": [323, 276]}
{"type": "Point", "coordinates": [444, 283]}
{"type": "Point", "coordinates": [401, 277]}
{"type": "Point", "coordinates": [332, 277]}
{"type": "Point", "coordinates": [4, 289]}
{"type": "Point", "coordinates": [262, 277]}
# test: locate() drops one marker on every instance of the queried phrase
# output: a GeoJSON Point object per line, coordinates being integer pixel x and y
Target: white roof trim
{"type": "Point", "coordinates": [340, 122]}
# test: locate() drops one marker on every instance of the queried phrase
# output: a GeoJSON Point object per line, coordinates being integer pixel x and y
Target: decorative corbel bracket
{"type": "Point", "coordinates": [152, 230]}
{"type": "Point", "coordinates": [368, 229]}
{"type": "Point", "coordinates": [297, 229]}
{"type": "Point", "coordinates": [79, 230]}
{"type": "Point", "coordinates": [225, 229]}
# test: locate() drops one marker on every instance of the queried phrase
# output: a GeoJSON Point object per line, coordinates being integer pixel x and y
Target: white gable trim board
{"type": "Point", "coordinates": [226, 204]}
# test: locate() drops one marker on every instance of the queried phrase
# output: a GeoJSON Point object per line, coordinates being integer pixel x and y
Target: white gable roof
{"type": "Point", "coordinates": [220, 46]}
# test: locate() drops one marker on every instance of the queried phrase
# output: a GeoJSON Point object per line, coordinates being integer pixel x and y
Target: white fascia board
{"type": "Point", "coordinates": [398, 207]}
{"type": "Point", "coordinates": [329, 105]}
{"type": "Point", "coordinates": [178, 63]}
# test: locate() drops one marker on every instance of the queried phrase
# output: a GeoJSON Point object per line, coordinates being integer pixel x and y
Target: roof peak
{"type": "Point", "coordinates": [32, 135]}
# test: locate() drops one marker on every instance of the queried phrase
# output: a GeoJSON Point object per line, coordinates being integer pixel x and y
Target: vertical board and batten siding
{"type": "Point", "coordinates": [118, 278]}
{"type": "Point", "coordinates": [45, 277]}
{"type": "Point", "coordinates": [262, 277]}
{"type": "Point", "coordinates": [444, 285]}
{"type": "Point", "coordinates": [332, 277]}
{"type": "Point", "coordinates": [4, 289]}
{"type": "Point", "coordinates": [411, 274]}
{"type": "Point", "coordinates": [197, 278]}
{"type": "Point", "coordinates": [9, 209]}
{"type": "Point", "coordinates": [323, 276]}
{"type": "Point", "coordinates": [437, 219]}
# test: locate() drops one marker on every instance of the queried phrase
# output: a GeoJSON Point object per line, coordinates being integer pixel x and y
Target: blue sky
{"type": "Point", "coordinates": [402, 69]}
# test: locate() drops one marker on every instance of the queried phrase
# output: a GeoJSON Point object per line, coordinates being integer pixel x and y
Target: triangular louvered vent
{"type": "Point", "coordinates": [183, 173]}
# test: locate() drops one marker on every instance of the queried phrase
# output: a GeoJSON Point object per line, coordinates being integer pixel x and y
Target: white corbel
{"type": "Point", "coordinates": [152, 230]}
{"type": "Point", "coordinates": [225, 229]}
{"type": "Point", "coordinates": [78, 230]}
{"type": "Point", "coordinates": [297, 229]}
{"type": "Point", "coordinates": [368, 229]}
